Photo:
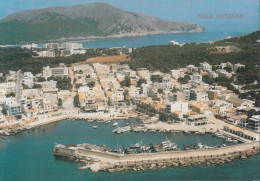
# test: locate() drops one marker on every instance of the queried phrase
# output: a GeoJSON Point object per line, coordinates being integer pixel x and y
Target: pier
{"type": "Point", "coordinates": [109, 161]}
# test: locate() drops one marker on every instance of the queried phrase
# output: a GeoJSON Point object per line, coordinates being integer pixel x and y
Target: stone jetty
{"type": "Point", "coordinates": [114, 162]}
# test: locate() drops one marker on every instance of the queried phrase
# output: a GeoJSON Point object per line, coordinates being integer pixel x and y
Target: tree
{"type": "Point", "coordinates": [228, 68]}
{"type": "Point", "coordinates": [257, 101]}
{"type": "Point", "coordinates": [41, 79]}
{"type": "Point", "coordinates": [251, 112]}
{"type": "Point", "coordinates": [59, 102]}
{"type": "Point", "coordinates": [91, 84]}
{"type": "Point", "coordinates": [126, 93]}
{"type": "Point", "coordinates": [163, 116]}
{"type": "Point", "coordinates": [126, 82]}
{"type": "Point", "coordinates": [12, 94]}
{"type": "Point", "coordinates": [76, 100]}
{"type": "Point", "coordinates": [63, 83]}
{"type": "Point", "coordinates": [141, 81]}
{"type": "Point", "coordinates": [78, 85]}
{"type": "Point", "coordinates": [2, 79]}
{"type": "Point", "coordinates": [25, 86]}
{"type": "Point", "coordinates": [156, 78]}
{"type": "Point", "coordinates": [174, 90]}
{"type": "Point", "coordinates": [184, 80]}
{"type": "Point", "coordinates": [4, 111]}
{"type": "Point", "coordinates": [208, 80]}
{"type": "Point", "coordinates": [36, 86]}
{"type": "Point", "coordinates": [160, 91]}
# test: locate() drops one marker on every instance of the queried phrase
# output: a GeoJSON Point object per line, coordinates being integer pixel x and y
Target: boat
{"type": "Point", "coordinates": [230, 140]}
{"type": "Point", "coordinates": [94, 127]}
{"type": "Point", "coordinates": [115, 124]}
{"type": "Point", "coordinates": [122, 129]}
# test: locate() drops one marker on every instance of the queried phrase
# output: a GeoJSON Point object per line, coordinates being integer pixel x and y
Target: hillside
{"type": "Point", "coordinates": [97, 19]}
{"type": "Point", "coordinates": [167, 57]}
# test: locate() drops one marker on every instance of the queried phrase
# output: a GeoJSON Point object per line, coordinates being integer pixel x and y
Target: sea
{"type": "Point", "coordinates": [28, 155]}
{"type": "Point", "coordinates": [160, 39]}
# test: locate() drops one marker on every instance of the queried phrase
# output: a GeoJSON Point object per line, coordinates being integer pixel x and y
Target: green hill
{"type": "Point", "coordinates": [167, 57]}
{"type": "Point", "coordinates": [97, 19]}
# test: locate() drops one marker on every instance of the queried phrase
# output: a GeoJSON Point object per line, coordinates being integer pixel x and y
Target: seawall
{"type": "Point", "coordinates": [109, 160]}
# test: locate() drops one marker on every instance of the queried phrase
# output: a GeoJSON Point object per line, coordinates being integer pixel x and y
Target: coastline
{"type": "Point", "coordinates": [95, 38]}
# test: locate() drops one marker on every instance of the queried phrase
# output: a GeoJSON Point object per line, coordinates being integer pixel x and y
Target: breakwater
{"type": "Point", "coordinates": [109, 161]}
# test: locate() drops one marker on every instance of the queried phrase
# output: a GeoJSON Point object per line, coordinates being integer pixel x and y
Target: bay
{"type": "Point", "coordinates": [28, 156]}
{"type": "Point", "coordinates": [160, 39]}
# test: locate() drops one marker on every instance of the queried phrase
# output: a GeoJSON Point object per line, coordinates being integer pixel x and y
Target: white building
{"type": "Point", "coordinates": [254, 123]}
{"type": "Point", "coordinates": [68, 45]}
{"type": "Point", "coordinates": [46, 53]}
{"type": "Point", "coordinates": [205, 66]}
{"type": "Point", "coordinates": [172, 42]}
{"type": "Point", "coordinates": [51, 45]}
{"type": "Point", "coordinates": [196, 77]}
{"type": "Point", "coordinates": [176, 73]}
{"type": "Point", "coordinates": [58, 71]}
{"type": "Point", "coordinates": [177, 106]}
{"type": "Point", "coordinates": [237, 66]}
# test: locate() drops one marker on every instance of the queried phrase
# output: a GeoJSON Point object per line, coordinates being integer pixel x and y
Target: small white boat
{"type": "Point", "coordinates": [115, 124]}
{"type": "Point", "coordinates": [94, 127]}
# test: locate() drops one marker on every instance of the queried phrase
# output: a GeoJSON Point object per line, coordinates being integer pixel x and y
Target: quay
{"type": "Point", "coordinates": [110, 161]}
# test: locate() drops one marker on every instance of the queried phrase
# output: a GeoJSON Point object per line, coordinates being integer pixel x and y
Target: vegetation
{"type": "Point", "coordinates": [41, 79]}
{"type": "Point", "coordinates": [247, 75]}
{"type": "Point", "coordinates": [4, 111]}
{"type": "Point", "coordinates": [168, 57]}
{"type": "Point", "coordinates": [76, 100]}
{"type": "Point", "coordinates": [147, 109]}
{"type": "Point", "coordinates": [160, 91]}
{"type": "Point", "coordinates": [156, 78]}
{"type": "Point", "coordinates": [36, 86]}
{"type": "Point", "coordinates": [11, 94]}
{"type": "Point", "coordinates": [184, 80]}
{"type": "Point", "coordinates": [60, 102]}
{"type": "Point", "coordinates": [2, 79]}
{"type": "Point", "coordinates": [126, 94]}
{"type": "Point", "coordinates": [141, 81]}
{"type": "Point", "coordinates": [126, 82]}
{"type": "Point", "coordinates": [15, 58]}
{"type": "Point", "coordinates": [63, 83]}
{"type": "Point", "coordinates": [78, 85]}
{"type": "Point", "coordinates": [91, 84]}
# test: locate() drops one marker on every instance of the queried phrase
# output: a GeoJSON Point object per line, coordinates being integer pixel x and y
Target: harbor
{"type": "Point", "coordinates": [100, 158]}
{"type": "Point", "coordinates": [40, 141]}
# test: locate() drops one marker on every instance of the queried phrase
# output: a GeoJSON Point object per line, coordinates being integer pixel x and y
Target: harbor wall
{"type": "Point", "coordinates": [228, 151]}
{"type": "Point", "coordinates": [65, 152]}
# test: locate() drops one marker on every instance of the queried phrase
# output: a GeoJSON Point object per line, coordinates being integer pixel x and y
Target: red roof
{"type": "Point", "coordinates": [10, 118]}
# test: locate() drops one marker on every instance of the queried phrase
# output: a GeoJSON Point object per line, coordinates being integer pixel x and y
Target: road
{"type": "Point", "coordinates": [18, 86]}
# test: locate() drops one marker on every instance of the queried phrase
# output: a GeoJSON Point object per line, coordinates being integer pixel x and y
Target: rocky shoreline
{"type": "Point", "coordinates": [179, 163]}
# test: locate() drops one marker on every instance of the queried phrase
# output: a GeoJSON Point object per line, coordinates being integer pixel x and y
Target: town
{"type": "Point", "coordinates": [102, 89]}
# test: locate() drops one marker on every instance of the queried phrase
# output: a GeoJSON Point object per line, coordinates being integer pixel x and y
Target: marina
{"type": "Point", "coordinates": [41, 141]}
{"type": "Point", "coordinates": [165, 154]}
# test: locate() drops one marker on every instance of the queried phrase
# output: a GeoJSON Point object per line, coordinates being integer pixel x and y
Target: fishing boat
{"type": "Point", "coordinates": [230, 140]}
{"type": "Point", "coordinates": [94, 127]}
{"type": "Point", "coordinates": [115, 124]}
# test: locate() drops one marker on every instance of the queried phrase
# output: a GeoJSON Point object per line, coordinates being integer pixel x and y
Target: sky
{"type": "Point", "coordinates": [241, 15]}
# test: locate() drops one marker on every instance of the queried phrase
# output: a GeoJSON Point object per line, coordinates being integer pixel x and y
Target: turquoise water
{"type": "Point", "coordinates": [161, 39]}
{"type": "Point", "coordinates": [28, 155]}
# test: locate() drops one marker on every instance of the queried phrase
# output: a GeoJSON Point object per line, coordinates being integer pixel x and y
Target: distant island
{"type": "Point", "coordinates": [84, 21]}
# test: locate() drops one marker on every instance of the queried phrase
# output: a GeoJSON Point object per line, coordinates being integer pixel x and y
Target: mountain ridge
{"type": "Point", "coordinates": [96, 19]}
